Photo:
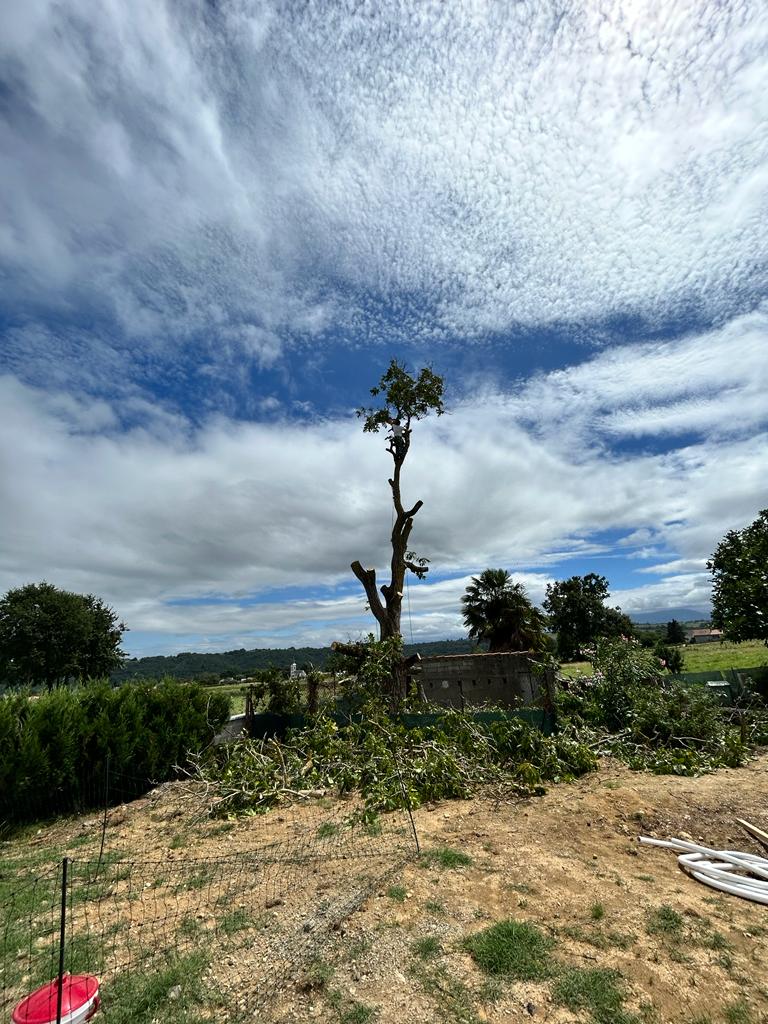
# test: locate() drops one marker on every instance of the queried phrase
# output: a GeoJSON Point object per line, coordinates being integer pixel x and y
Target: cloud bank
{"type": "Point", "coordinates": [227, 179]}
{"type": "Point", "coordinates": [233, 512]}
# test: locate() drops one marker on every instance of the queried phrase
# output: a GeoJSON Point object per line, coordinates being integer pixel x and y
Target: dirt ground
{"type": "Point", "coordinates": [549, 861]}
{"type": "Point", "coordinates": [568, 862]}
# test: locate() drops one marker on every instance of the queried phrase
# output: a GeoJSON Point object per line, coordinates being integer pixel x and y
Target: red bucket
{"type": "Point", "coordinates": [79, 1001]}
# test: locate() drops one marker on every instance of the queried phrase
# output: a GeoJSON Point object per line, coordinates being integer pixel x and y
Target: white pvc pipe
{"type": "Point", "coordinates": [720, 869]}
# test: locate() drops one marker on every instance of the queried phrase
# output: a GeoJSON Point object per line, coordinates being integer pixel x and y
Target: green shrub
{"type": "Point", "coordinates": [53, 748]}
{"type": "Point", "coordinates": [652, 722]}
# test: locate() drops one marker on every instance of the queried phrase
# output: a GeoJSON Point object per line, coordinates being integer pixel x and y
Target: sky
{"type": "Point", "coordinates": [220, 220]}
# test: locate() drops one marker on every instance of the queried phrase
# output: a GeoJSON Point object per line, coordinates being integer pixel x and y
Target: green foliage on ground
{"type": "Point", "coordinates": [446, 857]}
{"type": "Point", "coordinates": [176, 994]}
{"type": "Point", "coordinates": [599, 991]}
{"type": "Point", "coordinates": [390, 765]}
{"type": "Point", "coordinates": [636, 712]}
{"type": "Point", "coordinates": [53, 748]}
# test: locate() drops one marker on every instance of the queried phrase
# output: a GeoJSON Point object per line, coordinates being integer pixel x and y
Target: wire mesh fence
{"type": "Point", "coordinates": [182, 916]}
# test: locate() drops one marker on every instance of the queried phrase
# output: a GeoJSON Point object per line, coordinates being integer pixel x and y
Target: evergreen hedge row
{"type": "Point", "coordinates": [54, 747]}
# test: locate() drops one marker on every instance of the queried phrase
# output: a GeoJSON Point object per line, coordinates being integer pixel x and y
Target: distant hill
{"type": "Point", "coordinates": [685, 615]}
{"type": "Point", "coordinates": [190, 665]}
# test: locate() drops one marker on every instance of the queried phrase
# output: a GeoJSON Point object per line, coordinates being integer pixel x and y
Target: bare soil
{"type": "Point", "coordinates": [568, 862]}
{"type": "Point", "coordinates": [549, 861]}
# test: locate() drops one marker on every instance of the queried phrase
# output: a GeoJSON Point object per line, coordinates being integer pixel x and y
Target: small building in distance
{"type": "Point", "coordinates": [703, 636]}
{"type": "Point", "coordinates": [511, 679]}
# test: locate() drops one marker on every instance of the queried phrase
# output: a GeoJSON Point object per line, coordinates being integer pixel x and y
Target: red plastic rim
{"type": "Point", "coordinates": [77, 991]}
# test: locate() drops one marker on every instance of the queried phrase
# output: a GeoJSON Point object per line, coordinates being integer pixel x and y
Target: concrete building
{"type": "Point", "coordinates": [466, 680]}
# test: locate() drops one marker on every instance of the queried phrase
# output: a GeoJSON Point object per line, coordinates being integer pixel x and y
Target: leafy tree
{"type": "Point", "coordinates": [675, 633]}
{"type": "Point", "coordinates": [578, 614]}
{"type": "Point", "coordinates": [404, 399]}
{"type": "Point", "coordinates": [50, 636]}
{"type": "Point", "coordinates": [498, 611]}
{"type": "Point", "coordinates": [671, 656]}
{"type": "Point", "coordinates": [739, 570]}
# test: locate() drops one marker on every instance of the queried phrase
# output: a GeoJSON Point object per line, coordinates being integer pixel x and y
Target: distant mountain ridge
{"type": "Point", "coordinates": [667, 614]}
{"type": "Point", "coordinates": [189, 664]}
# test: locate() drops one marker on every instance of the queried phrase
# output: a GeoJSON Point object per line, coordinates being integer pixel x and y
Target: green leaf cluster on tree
{"type": "Point", "coordinates": [739, 570]}
{"type": "Point", "coordinates": [498, 612]}
{"type": "Point", "coordinates": [50, 636]}
{"type": "Point", "coordinates": [578, 614]}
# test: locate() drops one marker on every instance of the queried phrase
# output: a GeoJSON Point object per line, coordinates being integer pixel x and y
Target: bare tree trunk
{"type": "Point", "coordinates": [387, 613]}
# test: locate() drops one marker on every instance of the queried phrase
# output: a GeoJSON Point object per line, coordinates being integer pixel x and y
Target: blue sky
{"type": "Point", "coordinates": [219, 221]}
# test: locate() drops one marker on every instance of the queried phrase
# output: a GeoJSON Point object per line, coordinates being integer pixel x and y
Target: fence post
{"type": "Point", "coordinates": [62, 937]}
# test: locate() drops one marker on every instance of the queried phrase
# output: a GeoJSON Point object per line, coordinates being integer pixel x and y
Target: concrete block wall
{"type": "Point", "coordinates": [465, 680]}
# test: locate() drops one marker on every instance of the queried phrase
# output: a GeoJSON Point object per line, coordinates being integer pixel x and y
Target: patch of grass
{"type": "Point", "coordinates": [179, 840]}
{"type": "Point", "coordinates": [717, 941]}
{"type": "Point", "coordinates": [665, 921]}
{"type": "Point", "coordinates": [435, 907]}
{"type": "Point", "coordinates": [737, 1013]}
{"type": "Point", "coordinates": [358, 948]}
{"type": "Point", "coordinates": [397, 893]}
{"type": "Point", "coordinates": [453, 1000]}
{"type": "Point", "coordinates": [522, 887]}
{"type": "Point", "coordinates": [236, 921]}
{"type": "Point", "coordinates": [136, 997]}
{"type": "Point", "coordinates": [445, 857]}
{"type": "Point", "coordinates": [490, 992]}
{"type": "Point", "coordinates": [189, 927]}
{"type": "Point", "coordinates": [426, 947]}
{"type": "Point", "coordinates": [597, 911]}
{"type": "Point", "coordinates": [598, 938]}
{"type": "Point", "coordinates": [327, 829]}
{"type": "Point", "coordinates": [358, 1013]}
{"type": "Point", "coordinates": [317, 975]}
{"type": "Point", "coordinates": [197, 880]}
{"type": "Point", "coordinates": [512, 949]}
{"type": "Point", "coordinates": [596, 990]}
{"type": "Point", "coordinates": [351, 1012]}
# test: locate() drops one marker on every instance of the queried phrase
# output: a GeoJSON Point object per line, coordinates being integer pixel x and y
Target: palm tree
{"type": "Point", "coordinates": [498, 611]}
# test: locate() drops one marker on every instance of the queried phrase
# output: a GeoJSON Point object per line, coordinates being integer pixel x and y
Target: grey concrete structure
{"type": "Point", "coordinates": [466, 680]}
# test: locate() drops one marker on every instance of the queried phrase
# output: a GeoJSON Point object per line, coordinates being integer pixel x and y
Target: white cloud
{"type": "Point", "coordinates": [244, 172]}
{"type": "Point", "coordinates": [712, 383]}
{"type": "Point", "coordinates": [166, 511]}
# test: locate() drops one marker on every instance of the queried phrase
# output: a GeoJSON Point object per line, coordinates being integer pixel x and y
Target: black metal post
{"type": "Point", "coordinates": [62, 937]}
{"type": "Point", "coordinates": [104, 816]}
{"type": "Point", "coordinates": [407, 801]}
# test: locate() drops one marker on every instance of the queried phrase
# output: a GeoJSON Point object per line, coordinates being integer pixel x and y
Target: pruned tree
{"type": "Point", "coordinates": [404, 400]}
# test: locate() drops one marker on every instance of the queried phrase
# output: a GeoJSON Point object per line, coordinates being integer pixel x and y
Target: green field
{"type": "Point", "coordinates": [702, 658]}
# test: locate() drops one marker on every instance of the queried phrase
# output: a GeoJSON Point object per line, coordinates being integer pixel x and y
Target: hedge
{"type": "Point", "coordinates": [54, 747]}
